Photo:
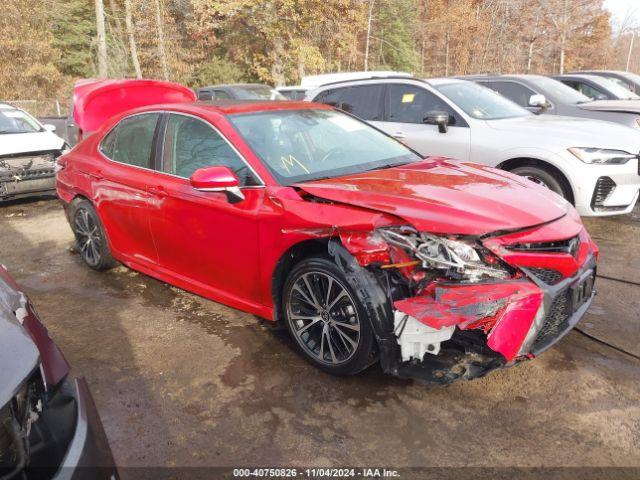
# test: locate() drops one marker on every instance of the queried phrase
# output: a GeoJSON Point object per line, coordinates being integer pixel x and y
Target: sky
{"type": "Point", "coordinates": [620, 9]}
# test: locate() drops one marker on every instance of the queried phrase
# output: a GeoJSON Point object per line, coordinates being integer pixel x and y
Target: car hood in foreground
{"type": "Point", "coordinates": [446, 196]}
{"type": "Point", "coordinates": [24, 342]}
{"type": "Point", "coordinates": [19, 356]}
{"type": "Point", "coordinates": [17, 143]}
{"type": "Point", "coordinates": [629, 106]}
{"type": "Point", "coordinates": [559, 132]}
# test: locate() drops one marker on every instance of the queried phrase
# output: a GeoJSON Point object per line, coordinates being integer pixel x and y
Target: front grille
{"type": "Point", "coordinates": [604, 188]}
{"type": "Point", "coordinates": [553, 322]}
{"type": "Point", "coordinates": [547, 275]}
{"type": "Point", "coordinates": [560, 246]}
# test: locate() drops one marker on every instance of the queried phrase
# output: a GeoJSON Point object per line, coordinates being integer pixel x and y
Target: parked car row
{"type": "Point", "coordinates": [593, 164]}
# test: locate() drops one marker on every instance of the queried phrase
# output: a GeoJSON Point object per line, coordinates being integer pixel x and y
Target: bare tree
{"type": "Point", "coordinates": [567, 17]}
{"type": "Point", "coordinates": [102, 39]}
{"type": "Point", "coordinates": [367, 41]}
{"type": "Point", "coordinates": [133, 49]}
{"type": "Point", "coordinates": [161, 47]}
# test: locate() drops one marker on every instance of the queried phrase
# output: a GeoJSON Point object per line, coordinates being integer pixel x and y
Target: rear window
{"type": "Point", "coordinates": [131, 140]}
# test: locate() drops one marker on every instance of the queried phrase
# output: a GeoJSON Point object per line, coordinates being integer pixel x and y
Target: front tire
{"type": "Point", "coordinates": [542, 177]}
{"type": "Point", "coordinates": [325, 318]}
{"type": "Point", "coordinates": [91, 239]}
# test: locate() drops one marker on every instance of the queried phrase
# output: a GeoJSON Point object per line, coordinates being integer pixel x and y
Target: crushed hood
{"type": "Point", "coordinates": [446, 196]}
{"type": "Point", "coordinates": [628, 106]}
{"type": "Point", "coordinates": [24, 342]}
{"type": "Point", "coordinates": [95, 101]}
{"type": "Point", "coordinates": [19, 356]}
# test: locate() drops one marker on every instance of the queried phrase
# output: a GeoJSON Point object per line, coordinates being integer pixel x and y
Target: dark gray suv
{"type": "Point", "coordinates": [545, 95]}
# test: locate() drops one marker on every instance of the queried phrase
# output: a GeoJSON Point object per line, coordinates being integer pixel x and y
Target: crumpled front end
{"type": "Point", "coordinates": [27, 173]}
{"type": "Point", "coordinates": [463, 306]}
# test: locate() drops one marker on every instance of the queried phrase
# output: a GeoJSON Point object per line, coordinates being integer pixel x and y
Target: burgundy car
{"type": "Point", "coordinates": [302, 214]}
{"type": "Point", "coordinates": [49, 426]}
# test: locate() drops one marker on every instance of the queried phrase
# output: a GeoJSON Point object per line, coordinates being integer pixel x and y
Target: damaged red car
{"type": "Point", "coordinates": [302, 214]}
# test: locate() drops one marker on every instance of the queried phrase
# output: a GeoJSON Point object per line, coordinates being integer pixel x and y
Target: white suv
{"type": "Point", "coordinates": [593, 164]}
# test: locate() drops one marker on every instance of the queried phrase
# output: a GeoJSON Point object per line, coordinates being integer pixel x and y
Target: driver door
{"type": "Point", "coordinates": [407, 106]}
{"type": "Point", "coordinates": [202, 239]}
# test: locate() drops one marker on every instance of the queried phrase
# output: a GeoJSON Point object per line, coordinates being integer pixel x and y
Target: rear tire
{"type": "Point", "coordinates": [91, 239]}
{"type": "Point", "coordinates": [325, 318]}
{"type": "Point", "coordinates": [543, 177]}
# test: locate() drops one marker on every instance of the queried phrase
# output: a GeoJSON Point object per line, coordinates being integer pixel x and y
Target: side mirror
{"type": "Point", "coordinates": [49, 128]}
{"type": "Point", "coordinates": [217, 179]}
{"type": "Point", "coordinates": [537, 100]}
{"type": "Point", "coordinates": [441, 119]}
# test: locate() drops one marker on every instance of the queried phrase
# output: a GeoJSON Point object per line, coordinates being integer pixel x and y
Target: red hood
{"type": "Point", "coordinates": [446, 196]}
{"type": "Point", "coordinates": [95, 101]}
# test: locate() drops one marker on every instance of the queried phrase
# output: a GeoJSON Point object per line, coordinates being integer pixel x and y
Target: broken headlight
{"type": "Point", "coordinates": [457, 258]}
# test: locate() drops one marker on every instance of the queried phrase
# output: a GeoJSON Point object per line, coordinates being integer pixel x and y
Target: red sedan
{"type": "Point", "coordinates": [302, 214]}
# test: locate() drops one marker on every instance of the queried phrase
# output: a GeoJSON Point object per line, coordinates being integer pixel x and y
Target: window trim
{"type": "Point", "coordinates": [159, 152]}
{"type": "Point", "coordinates": [153, 141]}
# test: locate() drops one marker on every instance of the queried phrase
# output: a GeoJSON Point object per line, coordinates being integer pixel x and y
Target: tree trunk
{"type": "Point", "coordinates": [563, 46]}
{"type": "Point", "coordinates": [102, 39]}
{"type": "Point", "coordinates": [530, 55]}
{"type": "Point", "coordinates": [633, 37]}
{"type": "Point", "coordinates": [161, 49]}
{"type": "Point", "coordinates": [446, 53]}
{"type": "Point", "coordinates": [277, 67]}
{"type": "Point", "coordinates": [366, 47]}
{"type": "Point", "coordinates": [133, 49]}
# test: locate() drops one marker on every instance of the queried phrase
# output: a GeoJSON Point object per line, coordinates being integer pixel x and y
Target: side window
{"type": "Point", "coordinates": [108, 144]}
{"type": "Point", "coordinates": [590, 91]}
{"type": "Point", "coordinates": [514, 91]}
{"type": "Point", "coordinates": [131, 141]}
{"type": "Point", "coordinates": [410, 103]}
{"type": "Point", "coordinates": [364, 101]}
{"type": "Point", "coordinates": [205, 95]}
{"type": "Point", "coordinates": [190, 144]}
{"type": "Point", "coordinates": [330, 97]}
{"type": "Point", "coordinates": [220, 95]}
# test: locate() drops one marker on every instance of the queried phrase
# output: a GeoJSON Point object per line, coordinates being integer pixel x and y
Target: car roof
{"type": "Point", "coordinates": [585, 76]}
{"type": "Point", "coordinates": [7, 106]}
{"type": "Point", "coordinates": [444, 80]}
{"type": "Point", "coordinates": [230, 107]}
{"type": "Point", "coordinates": [235, 85]}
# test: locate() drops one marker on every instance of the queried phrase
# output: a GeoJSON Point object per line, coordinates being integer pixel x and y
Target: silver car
{"type": "Point", "coordinates": [545, 95]}
{"type": "Point", "coordinates": [592, 164]}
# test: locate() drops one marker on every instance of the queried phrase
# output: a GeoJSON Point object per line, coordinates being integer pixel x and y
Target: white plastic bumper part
{"type": "Point", "coordinates": [416, 339]}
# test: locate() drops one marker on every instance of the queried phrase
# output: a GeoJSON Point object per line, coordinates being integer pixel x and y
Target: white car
{"type": "Point", "coordinates": [28, 151]}
{"type": "Point", "coordinates": [593, 164]}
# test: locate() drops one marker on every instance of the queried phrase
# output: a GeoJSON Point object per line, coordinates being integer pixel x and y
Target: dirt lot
{"type": "Point", "coordinates": [180, 380]}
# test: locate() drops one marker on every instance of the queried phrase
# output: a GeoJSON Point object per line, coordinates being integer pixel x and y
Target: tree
{"type": "Point", "coordinates": [133, 49]}
{"type": "Point", "coordinates": [101, 39]}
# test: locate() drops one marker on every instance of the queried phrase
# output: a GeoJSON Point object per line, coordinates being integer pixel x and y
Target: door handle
{"type": "Point", "coordinates": [158, 191]}
{"type": "Point", "coordinates": [97, 175]}
{"type": "Point", "coordinates": [399, 136]}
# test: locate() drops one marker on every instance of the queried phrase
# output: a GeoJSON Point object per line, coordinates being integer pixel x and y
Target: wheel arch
{"type": "Point", "coordinates": [293, 255]}
{"type": "Point", "coordinates": [516, 162]}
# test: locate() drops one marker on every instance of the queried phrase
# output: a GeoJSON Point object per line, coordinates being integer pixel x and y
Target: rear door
{"type": "Point", "coordinates": [120, 186]}
{"type": "Point", "coordinates": [202, 238]}
{"type": "Point", "coordinates": [406, 108]}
